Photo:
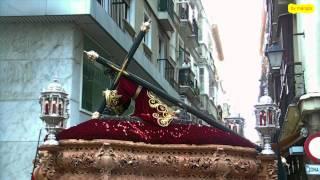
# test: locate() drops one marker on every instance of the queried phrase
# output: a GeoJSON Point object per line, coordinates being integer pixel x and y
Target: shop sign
{"type": "Point", "coordinates": [313, 169]}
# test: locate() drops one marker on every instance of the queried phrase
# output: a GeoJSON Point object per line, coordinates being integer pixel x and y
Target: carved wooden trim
{"type": "Point", "coordinates": [267, 167]}
{"type": "Point", "coordinates": [99, 159]}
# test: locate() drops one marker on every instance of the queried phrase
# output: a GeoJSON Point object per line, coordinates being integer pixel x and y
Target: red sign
{"type": "Point", "coordinates": [312, 147]}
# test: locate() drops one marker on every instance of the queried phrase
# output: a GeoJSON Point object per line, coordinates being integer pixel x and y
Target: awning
{"type": "Point", "coordinates": [290, 131]}
{"type": "Point", "coordinates": [287, 142]}
{"type": "Point", "coordinates": [292, 122]}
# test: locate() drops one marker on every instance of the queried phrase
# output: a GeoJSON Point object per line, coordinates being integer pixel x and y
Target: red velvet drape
{"type": "Point", "coordinates": [149, 133]}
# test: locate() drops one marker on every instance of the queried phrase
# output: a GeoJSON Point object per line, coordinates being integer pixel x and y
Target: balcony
{"type": "Point", "coordinates": [169, 72]}
{"type": "Point", "coordinates": [188, 86]}
{"type": "Point", "coordinates": [188, 24]}
{"type": "Point", "coordinates": [202, 50]}
{"type": "Point", "coordinates": [204, 54]}
{"type": "Point", "coordinates": [207, 106]}
{"type": "Point", "coordinates": [166, 14]}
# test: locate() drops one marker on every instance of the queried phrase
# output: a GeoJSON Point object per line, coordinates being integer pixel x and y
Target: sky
{"type": "Point", "coordinates": [239, 24]}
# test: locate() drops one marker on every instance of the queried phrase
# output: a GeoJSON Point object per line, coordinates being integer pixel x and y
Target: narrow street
{"type": "Point", "coordinates": [159, 89]}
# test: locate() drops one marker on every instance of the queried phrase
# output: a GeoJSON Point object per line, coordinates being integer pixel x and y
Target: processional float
{"type": "Point", "coordinates": [109, 148]}
{"type": "Point", "coordinates": [95, 57]}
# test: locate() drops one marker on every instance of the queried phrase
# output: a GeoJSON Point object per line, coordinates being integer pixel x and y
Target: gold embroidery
{"type": "Point", "coordinates": [112, 100]}
{"type": "Point", "coordinates": [164, 114]}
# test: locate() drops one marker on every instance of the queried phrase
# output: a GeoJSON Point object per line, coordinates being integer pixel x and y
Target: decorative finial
{"type": "Point", "coordinates": [92, 55]}
{"type": "Point", "coordinates": [146, 26]}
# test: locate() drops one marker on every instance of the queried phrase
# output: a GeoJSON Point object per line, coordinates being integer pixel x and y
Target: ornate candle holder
{"type": "Point", "coordinates": [54, 101]}
{"type": "Point", "coordinates": [267, 115]}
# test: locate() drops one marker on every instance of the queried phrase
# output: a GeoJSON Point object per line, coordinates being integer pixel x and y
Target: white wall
{"type": "Point", "coordinates": [309, 46]}
{"type": "Point", "coordinates": [30, 56]}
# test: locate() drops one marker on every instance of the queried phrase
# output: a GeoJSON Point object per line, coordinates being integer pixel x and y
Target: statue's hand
{"type": "Point", "coordinates": [92, 55]}
{"type": "Point", "coordinates": [95, 115]}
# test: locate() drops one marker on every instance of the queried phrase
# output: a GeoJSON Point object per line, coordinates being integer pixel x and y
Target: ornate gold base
{"type": "Point", "coordinates": [112, 159]}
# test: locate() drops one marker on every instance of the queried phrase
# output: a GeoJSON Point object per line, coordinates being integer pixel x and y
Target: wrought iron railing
{"type": "Point", "coordinates": [169, 72]}
{"type": "Point", "coordinates": [186, 78]}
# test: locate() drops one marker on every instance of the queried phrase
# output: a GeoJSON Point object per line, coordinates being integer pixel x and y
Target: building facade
{"type": "Point", "coordinates": [45, 39]}
{"type": "Point", "coordinates": [292, 80]}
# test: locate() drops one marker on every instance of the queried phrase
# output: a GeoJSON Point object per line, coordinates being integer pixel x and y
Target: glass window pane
{"type": "Point", "coordinates": [94, 81]}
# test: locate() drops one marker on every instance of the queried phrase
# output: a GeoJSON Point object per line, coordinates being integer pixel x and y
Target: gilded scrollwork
{"type": "Point", "coordinates": [267, 167]}
{"type": "Point", "coordinates": [45, 168]}
{"type": "Point", "coordinates": [128, 160]}
{"type": "Point", "coordinates": [105, 159]}
{"type": "Point", "coordinates": [272, 170]}
{"type": "Point", "coordinates": [82, 160]}
{"type": "Point", "coordinates": [163, 114]}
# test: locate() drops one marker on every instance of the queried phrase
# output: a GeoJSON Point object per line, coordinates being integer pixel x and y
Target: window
{"type": "Point", "coordinates": [147, 37]}
{"type": "Point", "coordinates": [117, 9]}
{"type": "Point", "coordinates": [201, 30]}
{"type": "Point", "coordinates": [94, 81]}
{"type": "Point", "coordinates": [172, 49]}
{"type": "Point", "coordinates": [169, 74]}
{"type": "Point", "coordinates": [131, 13]}
{"type": "Point", "coordinates": [161, 60]}
{"type": "Point", "coordinates": [184, 58]}
{"type": "Point", "coordinates": [201, 78]}
{"type": "Point", "coordinates": [184, 10]}
{"type": "Point", "coordinates": [211, 89]}
{"type": "Point", "coordinates": [100, 2]}
{"type": "Point", "coordinates": [127, 15]}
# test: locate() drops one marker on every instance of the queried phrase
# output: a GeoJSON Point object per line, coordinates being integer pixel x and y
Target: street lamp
{"type": "Point", "coordinates": [53, 101]}
{"type": "Point", "coordinates": [274, 54]}
{"type": "Point", "coordinates": [267, 121]}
